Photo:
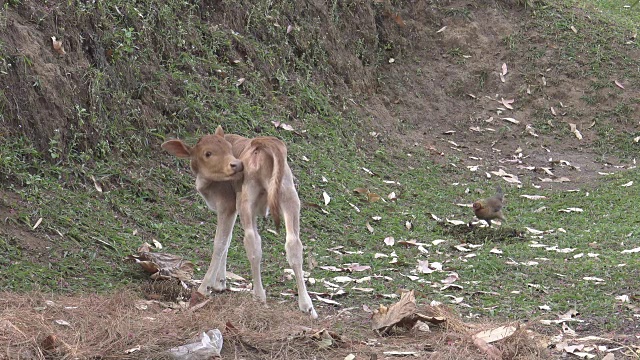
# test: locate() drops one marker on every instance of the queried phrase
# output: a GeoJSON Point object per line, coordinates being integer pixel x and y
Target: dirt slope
{"type": "Point", "coordinates": [441, 87]}
{"type": "Point", "coordinates": [416, 69]}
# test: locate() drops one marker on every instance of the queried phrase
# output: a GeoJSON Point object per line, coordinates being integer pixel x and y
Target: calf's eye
{"type": "Point", "coordinates": [207, 154]}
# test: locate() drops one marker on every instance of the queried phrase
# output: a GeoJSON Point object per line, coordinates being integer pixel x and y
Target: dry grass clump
{"type": "Point", "coordinates": [125, 326]}
{"type": "Point", "coordinates": [44, 326]}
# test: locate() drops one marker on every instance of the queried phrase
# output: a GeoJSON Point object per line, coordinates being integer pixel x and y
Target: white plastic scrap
{"type": "Point", "coordinates": [209, 345]}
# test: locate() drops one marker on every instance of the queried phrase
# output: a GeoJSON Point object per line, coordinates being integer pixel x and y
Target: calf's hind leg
{"type": "Point", "coordinates": [293, 247]}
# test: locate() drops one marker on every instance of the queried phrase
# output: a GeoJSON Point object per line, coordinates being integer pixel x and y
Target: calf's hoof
{"type": "Point", "coordinates": [312, 313]}
{"type": "Point", "coordinates": [260, 296]}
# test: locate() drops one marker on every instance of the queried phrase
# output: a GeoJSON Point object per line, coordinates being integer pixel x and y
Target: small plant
{"type": "Point", "coordinates": [461, 12]}
{"type": "Point", "coordinates": [124, 42]}
{"type": "Point", "coordinates": [26, 61]}
{"type": "Point", "coordinates": [482, 78]}
{"type": "Point", "coordinates": [510, 41]}
{"type": "Point", "coordinates": [54, 149]}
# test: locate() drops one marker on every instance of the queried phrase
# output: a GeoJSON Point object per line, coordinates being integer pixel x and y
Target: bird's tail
{"type": "Point", "coordinates": [499, 193]}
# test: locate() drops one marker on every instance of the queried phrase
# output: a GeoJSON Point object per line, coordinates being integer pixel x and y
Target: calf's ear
{"type": "Point", "coordinates": [177, 148]}
{"type": "Point", "coordinates": [219, 131]}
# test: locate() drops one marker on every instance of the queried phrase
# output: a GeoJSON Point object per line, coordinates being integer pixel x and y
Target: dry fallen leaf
{"type": "Point", "coordinates": [326, 197]}
{"type": "Point", "coordinates": [504, 69]}
{"type": "Point", "coordinates": [132, 350]}
{"type": "Point", "coordinates": [162, 266]}
{"type": "Point", "coordinates": [368, 171]}
{"type": "Point", "coordinates": [62, 323]}
{"type": "Point", "coordinates": [623, 298]}
{"type": "Point", "coordinates": [401, 353]}
{"type": "Point", "coordinates": [96, 184]}
{"type": "Point", "coordinates": [357, 267]}
{"type": "Point", "coordinates": [400, 314]}
{"type": "Point", "coordinates": [456, 222]}
{"type": "Point", "coordinates": [571, 209]}
{"type": "Point", "coordinates": [282, 125]}
{"type": "Point", "coordinates": [327, 301]}
{"type": "Point", "coordinates": [575, 130]}
{"type": "Point", "coordinates": [57, 46]}
{"type": "Point", "coordinates": [369, 227]}
{"type": "Point", "coordinates": [373, 197]}
{"type": "Point", "coordinates": [441, 29]}
{"type": "Point", "coordinates": [496, 334]}
{"type": "Point", "coordinates": [493, 353]}
{"type": "Point", "coordinates": [343, 279]}
{"type": "Point", "coordinates": [619, 84]}
{"type": "Point", "coordinates": [507, 103]}
{"type": "Point", "coordinates": [423, 267]}
{"type": "Point", "coordinates": [240, 81]}
{"type": "Point", "coordinates": [510, 178]}
{"type": "Point", "coordinates": [384, 318]}
{"type": "Point", "coordinates": [37, 223]}
{"type": "Point", "coordinates": [534, 231]}
{"type": "Point", "coordinates": [453, 277]}
{"type": "Point", "coordinates": [237, 278]}
{"type": "Point", "coordinates": [630, 251]}
{"type": "Point", "coordinates": [511, 120]}
{"type": "Point", "coordinates": [534, 197]}
{"type": "Point", "coordinates": [389, 240]}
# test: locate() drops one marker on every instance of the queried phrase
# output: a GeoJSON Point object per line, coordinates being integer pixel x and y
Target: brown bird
{"type": "Point", "coordinates": [490, 208]}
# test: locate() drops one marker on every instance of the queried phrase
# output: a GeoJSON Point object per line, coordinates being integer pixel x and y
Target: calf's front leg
{"type": "Point", "coordinates": [215, 278]}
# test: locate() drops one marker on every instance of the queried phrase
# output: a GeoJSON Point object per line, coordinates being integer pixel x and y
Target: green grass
{"type": "Point", "coordinates": [622, 13]}
{"type": "Point", "coordinates": [153, 199]}
{"type": "Point", "coordinates": [149, 195]}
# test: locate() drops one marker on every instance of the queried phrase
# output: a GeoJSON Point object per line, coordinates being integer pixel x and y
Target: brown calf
{"type": "Point", "coordinates": [250, 177]}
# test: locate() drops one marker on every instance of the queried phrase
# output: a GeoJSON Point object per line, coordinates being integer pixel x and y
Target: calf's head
{"type": "Point", "coordinates": [211, 158]}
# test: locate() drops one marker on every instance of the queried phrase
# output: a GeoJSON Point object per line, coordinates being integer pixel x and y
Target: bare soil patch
{"type": "Point", "coordinates": [440, 89]}
{"type": "Point", "coordinates": [14, 231]}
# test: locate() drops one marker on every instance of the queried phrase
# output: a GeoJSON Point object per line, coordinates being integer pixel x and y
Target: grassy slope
{"type": "Point", "coordinates": [148, 195]}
